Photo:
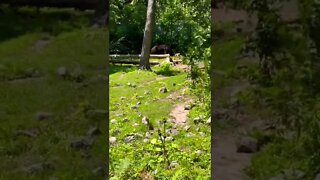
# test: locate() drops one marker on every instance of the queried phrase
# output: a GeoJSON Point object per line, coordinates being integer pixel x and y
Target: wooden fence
{"type": "Point", "coordinates": [135, 58]}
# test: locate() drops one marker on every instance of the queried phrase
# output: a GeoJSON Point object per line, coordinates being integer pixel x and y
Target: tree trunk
{"type": "Point", "coordinates": [147, 38]}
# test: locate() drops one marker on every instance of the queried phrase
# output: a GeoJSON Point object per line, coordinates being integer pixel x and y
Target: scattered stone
{"type": "Point", "coordinates": [147, 92]}
{"type": "Point", "coordinates": [187, 107]}
{"type": "Point", "coordinates": [202, 134]}
{"type": "Point", "coordinates": [146, 140]}
{"type": "Point", "coordinates": [317, 177]}
{"type": "Point", "coordinates": [199, 152]}
{"type": "Point", "coordinates": [93, 131]}
{"type": "Point", "coordinates": [135, 125]}
{"type": "Point", "coordinates": [138, 135]}
{"type": "Point", "coordinates": [113, 121]}
{"type": "Point", "coordinates": [26, 133]}
{"type": "Point", "coordinates": [63, 72]}
{"type": "Point", "coordinates": [190, 134]}
{"type": "Point", "coordinates": [128, 139]}
{"type": "Point", "coordinates": [138, 103]}
{"type": "Point", "coordinates": [123, 98]}
{"type": "Point", "coordinates": [44, 115]}
{"type": "Point", "coordinates": [209, 121]}
{"type": "Point", "coordinates": [112, 140]}
{"type": "Point", "coordinates": [117, 131]}
{"type": "Point", "coordinates": [140, 97]}
{"type": "Point", "coordinates": [82, 143]}
{"type": "Point", "coordinates": [247, 145]}
{"type": "Point", "coordinates": [163, 90]}
{"type": "Point", "coordinates": [169, 138]}
{"type": "Point", "coordinates": [135, 107]}
{"type": "Point", "coordinates": [198, 129]}
{"type": "Point", "coordinates": [186, 128]}
{"type": "Point", "coordinates": [129, 84]}
{"type": "Point", "coordinates": [146, 121]}
{"type": "Point", "coordinates": [38, 167]}
{"type": "Point", "coordinates": [148, 135]}
{"type": "Point", "coordinates": [196, 120]}
{"type": "Point", "coordinates": [98, 171]}
{"type": "Point", "coordinates": [173, 164]}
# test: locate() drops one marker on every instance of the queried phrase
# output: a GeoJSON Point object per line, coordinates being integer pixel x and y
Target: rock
{"type": "Point", "coordinates": [186, 128]}
{"type": "Point", "coordinates": [196, 120]}
{"type": "Point", "coordinates": [44, 115]}
{"type": "Point", "coordinates": [82, 143]}
{"type": "Point", "coordinates": [112, 140]}
{"type": "Point", "coordinates": [146, 121]}
{"type": "Point", "coordinates": [26, 133]}
{"type": "Point", "coordinates": [135, 125]}
{"type": "Point", "coordinates": [317, 177]}
{"type": "Point", "coordinates": [135, 107]}
{"type": "Point", "coordinates": [138, 103]}
{"type": "Point", "coordinates": [187, 107]}
{"type": "Point", "coordinates": [190, 134]}
{"type": "Point", "coordinates": [169, 138]}
{"type": "Point", "coordinates": [63, 72]}
{"type": "Point", "coordinates": [93, 131]}
{"type": "Point", "coordinates": [113, 121]}
{"type": "Point", "coordinates": [38, 167]}
{"type": "Point", "coordinates": [247, 145]}
{"type": "Point", "coordinates": [199, 152]}
{"type": "Point", "coordinates": [138, 135]}
{"type": "Point", "coordinates": [98, 171]}
{"type": "Point", "coordinates": [148, 135]}
{"type": "Point", "coordinates": [146, 140]}
{"type": "Point", "coordinates": [147, 92]}
{"type": "Point", "coordinates": [163, 90]}
{"type": "Point", "coordinates": [209, 121]}
{"type": "Point", "coordinates": [116, 131]}
{"type": "Point", "coordinates": [128, 139]}
{"type": "Point", "coordinates": [125, 120]}
{"type": "Point", "coordinates": [173, 164]}
{"type": "Point", "coordinates": [97, 114]}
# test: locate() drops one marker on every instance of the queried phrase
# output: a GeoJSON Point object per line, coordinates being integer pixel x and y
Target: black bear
{"type": "Point", "coordinates": [162, 49]}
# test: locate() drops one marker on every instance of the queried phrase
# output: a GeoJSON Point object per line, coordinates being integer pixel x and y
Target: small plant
{"type": "Point", "coordinates": [166, 69]}
{"type": "Point", "coordinates": [163, 142]}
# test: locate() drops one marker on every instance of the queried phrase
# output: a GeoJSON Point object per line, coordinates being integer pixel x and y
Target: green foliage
{"type": "Point", "coordinates": [166, 69]}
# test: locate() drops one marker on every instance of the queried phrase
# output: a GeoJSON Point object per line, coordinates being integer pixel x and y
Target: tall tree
{"type": "Point", "coordinates": [147, 38]}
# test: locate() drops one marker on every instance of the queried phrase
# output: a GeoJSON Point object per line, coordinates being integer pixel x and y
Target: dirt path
{"type": "Point", "coordinates": [228, 164]}
{"type": "Point", "coordinates": [179, 114]}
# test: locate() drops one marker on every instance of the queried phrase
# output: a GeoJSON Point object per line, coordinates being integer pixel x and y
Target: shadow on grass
{"type": "Point", "coordinates": [14, 23]}
{"type": "Point", "coordinates": [122, 68]}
